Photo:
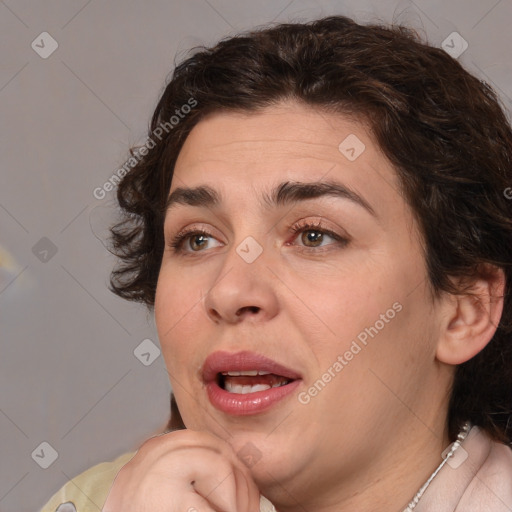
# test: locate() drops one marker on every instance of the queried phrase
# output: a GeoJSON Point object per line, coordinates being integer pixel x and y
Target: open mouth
{"type": "Point", "coordinates": [244, 382]}
{"type": "Point", "coordinates": [250, 381]}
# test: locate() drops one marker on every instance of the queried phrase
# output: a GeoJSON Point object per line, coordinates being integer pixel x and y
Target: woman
{"type": "Point", "coordinates": [319, 222]}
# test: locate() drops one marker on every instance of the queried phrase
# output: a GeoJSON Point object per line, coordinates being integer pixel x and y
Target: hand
{"type": "Point", "coordinates": [184, 471]}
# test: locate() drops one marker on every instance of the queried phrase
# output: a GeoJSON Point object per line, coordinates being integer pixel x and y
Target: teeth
{"type": "Point", "coordinates": [246, 373]}
{"type": "Point", "coordinates": [243, 390]}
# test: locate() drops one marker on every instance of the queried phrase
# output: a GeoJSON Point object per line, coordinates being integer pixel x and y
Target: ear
{"type": "Point", "coordinates": [470, 321]}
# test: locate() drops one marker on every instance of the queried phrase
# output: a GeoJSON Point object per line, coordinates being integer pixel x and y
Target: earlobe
{"type": "Point", "coordinates": [470, 321]}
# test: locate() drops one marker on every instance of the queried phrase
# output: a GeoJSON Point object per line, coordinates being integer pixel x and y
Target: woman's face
{"type": "Point", "coordinates": [328, 283]}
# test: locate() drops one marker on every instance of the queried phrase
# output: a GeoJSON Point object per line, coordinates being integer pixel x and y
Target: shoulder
{"type": "Point", "coordinates": [491, 486]}
{"type": "Point", "coordinates": [89, 490]}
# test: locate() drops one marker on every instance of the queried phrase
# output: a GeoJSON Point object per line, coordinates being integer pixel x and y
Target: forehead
{"type": "Point", "coordinates": [289, 130]}
{"type": "Point", "coordinates": [286, 143]}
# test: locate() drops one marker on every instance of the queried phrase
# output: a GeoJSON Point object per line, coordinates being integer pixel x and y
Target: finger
{"type": "Point", "coordinates": [226, 483]}
{"type": "Point", "coordinates": [247, 493]}
{"type": "Point", "coordinates": [235, 491]}
{"type": "Point", "coordinates": [192, 503]}
{"type": "Point", "coordinates": [219, 491]}
{"type": "Point", "coordinates": [247, 490]}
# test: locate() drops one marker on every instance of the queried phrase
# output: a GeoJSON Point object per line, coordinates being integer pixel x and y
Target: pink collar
{"type": "Point", "coordinates": [478, 479]}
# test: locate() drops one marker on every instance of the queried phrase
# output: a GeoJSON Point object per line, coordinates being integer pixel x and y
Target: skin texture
{"type": "Point", "coordinates": [372, 436]}
{"type": "Point", "coordinates": [174, 473]}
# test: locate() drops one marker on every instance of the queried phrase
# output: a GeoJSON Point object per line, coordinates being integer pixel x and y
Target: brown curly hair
{"type": "Point", "coordinates": [443, 130]}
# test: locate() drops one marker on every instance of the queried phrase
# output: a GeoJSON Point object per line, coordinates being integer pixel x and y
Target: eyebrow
{"type": "Point", "coordinates": [285, 193]}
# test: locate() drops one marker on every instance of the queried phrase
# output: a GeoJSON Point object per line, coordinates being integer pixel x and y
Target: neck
{"type": "Point", "coordinates": [386, 482]}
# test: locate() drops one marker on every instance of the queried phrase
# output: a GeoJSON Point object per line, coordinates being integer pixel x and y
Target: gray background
{"type": "Point", "coordinates": [68, 373]}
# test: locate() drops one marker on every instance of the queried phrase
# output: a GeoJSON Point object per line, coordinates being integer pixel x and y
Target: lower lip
{"type": "Point", "coordinates": [249, 403]}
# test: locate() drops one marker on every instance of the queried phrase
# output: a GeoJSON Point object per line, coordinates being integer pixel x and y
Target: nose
{"type": "Point", "coordinates": [242, 291]}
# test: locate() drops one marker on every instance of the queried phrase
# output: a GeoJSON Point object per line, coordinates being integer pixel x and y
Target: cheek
{"type": "Point", "coordinates": [363, 381]}
{"type": "Point", "coordinates": [345, 305]}
{"type": "Point", "coordinates": [178, 303]}
{"type": "Point", "coordinates": [375, 321]}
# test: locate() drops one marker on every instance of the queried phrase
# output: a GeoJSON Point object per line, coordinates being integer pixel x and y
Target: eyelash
{"type": "Point", "coordinates": [177, 241]}
{"type": "Point", "coordinates": [303, 226]}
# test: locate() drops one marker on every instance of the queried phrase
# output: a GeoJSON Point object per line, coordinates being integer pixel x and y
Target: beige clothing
{"type": "Point", "coordinates": [477, 479]}
{"type": "Point", "coordinates": [88, 491]}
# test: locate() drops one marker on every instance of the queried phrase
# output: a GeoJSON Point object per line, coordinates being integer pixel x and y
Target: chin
{"type": "Point", "coordinates": [269, 458]}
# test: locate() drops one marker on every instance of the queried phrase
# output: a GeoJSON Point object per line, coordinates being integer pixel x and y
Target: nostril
{"type": "Point", "coordinates": [214, 314]}
{"type": "Point", "coordinates": [251, 309]}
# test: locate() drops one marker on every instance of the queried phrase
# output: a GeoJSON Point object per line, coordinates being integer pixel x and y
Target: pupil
{"type": "Point", "coordinates": [313, 236]}
{"type": "Point", "coordinates": [194, 240]}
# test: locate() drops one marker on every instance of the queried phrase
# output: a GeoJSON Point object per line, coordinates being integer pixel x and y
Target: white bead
{"type": "Point", "coordinates": [460, 437]}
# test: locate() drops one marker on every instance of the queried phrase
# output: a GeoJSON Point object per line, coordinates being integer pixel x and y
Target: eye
{"type": "Point", "coordinates": [313, 234]}
{"type": "Point", "coordinates": [194, 239]}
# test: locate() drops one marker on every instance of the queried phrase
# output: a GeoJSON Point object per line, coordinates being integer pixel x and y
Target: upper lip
{"type": "Point", "coordinates": [221, 361]}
